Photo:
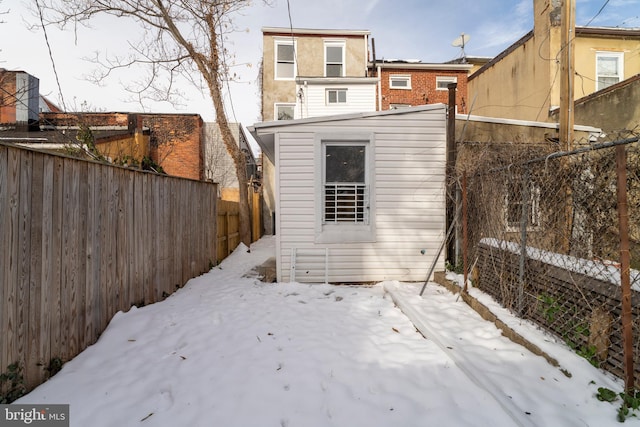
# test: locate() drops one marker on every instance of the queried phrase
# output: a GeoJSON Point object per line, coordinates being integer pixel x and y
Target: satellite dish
{"type": "Point", "coordinates": [461, 41]}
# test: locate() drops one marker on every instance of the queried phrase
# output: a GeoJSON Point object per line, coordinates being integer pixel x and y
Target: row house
{"type": "Point", "coordinates": [412, 83]}
{"type": "Point", "coordinates": [523, 81]}
{"type": "Point", "coordinates": [313, 72]}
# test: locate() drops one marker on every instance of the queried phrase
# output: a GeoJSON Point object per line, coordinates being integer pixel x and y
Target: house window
{"type": "Point", "coordinates": [336, 96]}
{"type": "Point", "coordinates": [284, 111]}
{"type": "Point", "coordinates": [442, 82]}
{"type": "Point", "coordinates": [514, 203]}
{"type": "Point", "coordinates": [334, 59]}
{"type": "Point", "coordinates": [285, 60]}
{"type": "Point", "coordinates": [344, 188]}
{"type": "Point", "coordinates": [400, 82]}
{"type": "Point", "coordinates": [609, 69]}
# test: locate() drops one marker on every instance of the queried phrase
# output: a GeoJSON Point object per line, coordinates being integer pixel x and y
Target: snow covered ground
{"type": "Point", "coordinates": [228, 350]}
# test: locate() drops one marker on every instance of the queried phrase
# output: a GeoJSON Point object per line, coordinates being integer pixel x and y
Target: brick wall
{"type": "Point", "coordinates": [177, 143]}
{"type": "Point", "coordinates": [423, 88]}
{"type": "Point", "coordinates": [7, 97]}
{"type": "Point", "coordinates": [176, 140]}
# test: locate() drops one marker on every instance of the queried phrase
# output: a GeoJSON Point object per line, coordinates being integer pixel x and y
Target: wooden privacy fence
{"type": "Point", "coordinates": [80, 241]}
{"type": "Point", "coordinates": [228, 225]}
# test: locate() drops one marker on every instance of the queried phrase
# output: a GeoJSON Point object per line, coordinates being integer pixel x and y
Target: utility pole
{"type": "Point", "coordinates": [567, 71]}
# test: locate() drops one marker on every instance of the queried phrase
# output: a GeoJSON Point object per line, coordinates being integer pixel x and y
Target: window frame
{"type": "Point", "coordinates": [534, 211]}
{"type": "Point", "coordinates": [285, 42]}
{"type": "Point", "coordinates": [445, 79]}
{"type": "Point", "coordinates": [343, 231]}
{"type": "Point", "coordinates": [400, 78]}
{"type": "Point", "coordinates": [338, 92]}
{"type": "Point", "coordinates": [619, 56]}
{"type": "Point", "coordinates": [343, 46]}
{"type": "Point", "coordinates": [283, 104]}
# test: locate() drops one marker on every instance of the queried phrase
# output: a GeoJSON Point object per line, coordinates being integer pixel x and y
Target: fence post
{"type": "Point", "coordinates": [625, 282]}
{"type": "Point", "coordinates": [524, 223]}
{"type": "Point", "coordinates": [227, 230]}
{"type": "Point", "coordinates": [465, 238]}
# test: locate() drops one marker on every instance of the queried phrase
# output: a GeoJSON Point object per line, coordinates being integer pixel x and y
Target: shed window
{"type": "Point", "coordinates": [345, 187]}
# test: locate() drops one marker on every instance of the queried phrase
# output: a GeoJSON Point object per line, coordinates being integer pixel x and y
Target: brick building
{"type": "Point", "coordinates": [176, 141]}
{"type": "Point", "coordinates": [413, 83]}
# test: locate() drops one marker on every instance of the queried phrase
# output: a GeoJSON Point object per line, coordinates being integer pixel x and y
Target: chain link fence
{"type": "Point", "coordinates": [544, 239]}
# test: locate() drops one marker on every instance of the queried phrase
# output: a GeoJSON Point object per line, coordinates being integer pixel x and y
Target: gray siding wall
{"type": "Point", "coordinates": [409, 197]}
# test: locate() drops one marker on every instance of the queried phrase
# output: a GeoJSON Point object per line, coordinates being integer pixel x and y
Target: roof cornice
{"type": "Point", "coordinates": [420, 66]}
{"type": "Point", "coordinates": [314, 31]}
{"type": "Point", "coordinates": [608, 32]}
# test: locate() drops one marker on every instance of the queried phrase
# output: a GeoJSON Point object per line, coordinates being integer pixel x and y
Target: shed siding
{"type": "Point", "coordinates": [409, 200]}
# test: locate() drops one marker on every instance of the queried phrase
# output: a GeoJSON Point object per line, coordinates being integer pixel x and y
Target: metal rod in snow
{"type": "Point", "coordinates": [625, 261]}
{"type": "Point", "coordinates": [442, 245]}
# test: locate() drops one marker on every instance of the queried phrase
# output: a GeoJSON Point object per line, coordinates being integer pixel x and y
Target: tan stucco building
{"type": "Point", "coordinates": [523, 82]}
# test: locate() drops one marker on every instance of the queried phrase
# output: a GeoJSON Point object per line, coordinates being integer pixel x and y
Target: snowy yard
{"type": "Point", "coordinates": [228, 350]}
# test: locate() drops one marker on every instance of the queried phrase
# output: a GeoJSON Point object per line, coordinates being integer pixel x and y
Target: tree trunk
{"type": "Point", "coordinates": [233, 148]}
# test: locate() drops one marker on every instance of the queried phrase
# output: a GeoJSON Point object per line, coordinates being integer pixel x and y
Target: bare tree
{"type": "Point", "coordinates": [218, 165]}
{"type": "Point", "coordinates": [178, 38]}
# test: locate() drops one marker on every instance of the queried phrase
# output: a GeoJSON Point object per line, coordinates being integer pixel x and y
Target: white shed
{"type": "Point", "coordinates": [359, 197]}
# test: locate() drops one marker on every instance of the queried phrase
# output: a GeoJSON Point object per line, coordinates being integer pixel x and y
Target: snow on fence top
{"type": "Point", "coordinates": [601, 270]}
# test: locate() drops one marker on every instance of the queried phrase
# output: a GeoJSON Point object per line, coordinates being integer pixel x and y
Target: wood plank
{"type": "Point", "coordinates": [24, 253]}
{"type": "Point", "coordinates": [74, 262]}
{"type": "Point", "coordinates": [92, 273]}
{"type": "Point", "coordinates": [46, 256]}
{"type": "Point", "coordinates": [56, 260]}
{"type": "Point", "coordinates": [137, 291]}
{"type": "Point", "coordinates": [34, 374]}
{"type": "Point", "coordinates": [4, 249]}
{"type": "Point", "coordinates": [110, 244]}
{"type": "Point", "coordinates": [82, 255]}
{"type": "Point", "coordinates": [174, 196]}
{"type": "Point", "coordinates": [67, 261]}
{"type": "Point", "coordinates": [122, 244]}
{"type": "Point", "coordinates": [104, 247]}
{"type": "Point", "coordinates": [165, 282]}
{"type": "Point", "coordinates": [154, 241]}
{"type": "Point", "coordinates": [128, 207]}
{"type": "Point", "coordinates": [150, 241]}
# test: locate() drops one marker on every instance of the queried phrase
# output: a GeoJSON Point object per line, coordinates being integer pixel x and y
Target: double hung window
{"type": "Point", "coordinates": [609, 69]}
{"type": "Point", "coordinates": [345, 187]}
{"type": "Point", "coordinates": [334, 59]}
{"type": "Point", "coordinates": [515, 200]}
{"type": "Point", "coordinates": [285, 60]}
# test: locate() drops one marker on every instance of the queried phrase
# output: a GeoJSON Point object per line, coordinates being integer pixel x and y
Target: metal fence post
{"type": "Point", "coordinates": [524, 223]}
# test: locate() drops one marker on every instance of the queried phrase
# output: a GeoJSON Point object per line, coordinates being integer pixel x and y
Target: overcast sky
{"type": "Point", "coordinates": [402, 29]}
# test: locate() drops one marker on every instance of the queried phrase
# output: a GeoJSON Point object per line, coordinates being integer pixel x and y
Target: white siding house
{"type": "Point", "coordinates": [326, 96]}
{"type": "Point", "coordinates": [358, 196]}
